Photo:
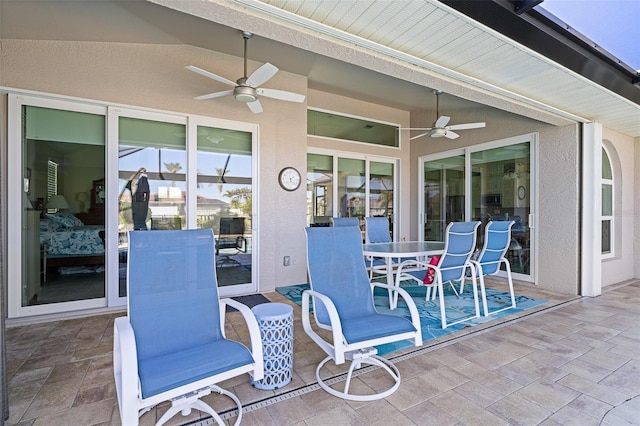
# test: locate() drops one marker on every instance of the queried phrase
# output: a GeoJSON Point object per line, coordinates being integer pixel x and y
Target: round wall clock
{"type": "Point", "coordinates": [522, 193]}
{"type": "Point", "coordinates": [289, 179]}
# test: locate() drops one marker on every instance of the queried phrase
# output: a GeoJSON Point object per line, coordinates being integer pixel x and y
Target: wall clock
{"type": "Point", "coordinates": [289, 179]}
{"type": "Point", "coordinates": [522, 192]}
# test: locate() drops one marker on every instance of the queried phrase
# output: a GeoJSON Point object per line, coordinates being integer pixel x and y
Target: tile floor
{"type": "Point", "coordinates": [572, 361]}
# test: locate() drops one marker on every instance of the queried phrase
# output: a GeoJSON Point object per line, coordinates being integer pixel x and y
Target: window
{"type": "Point", "coordinates": [337, 126]}
{"type": "Point", "coordinates": [607, 205]}
{"type": "Point", "coordinates": [339, 186]}
{"type": "Point", "coordinates": [52, 181]}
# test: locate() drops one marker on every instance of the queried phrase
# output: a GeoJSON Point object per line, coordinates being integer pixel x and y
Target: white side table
{"type": "Point", "coordinates": [276, 329]}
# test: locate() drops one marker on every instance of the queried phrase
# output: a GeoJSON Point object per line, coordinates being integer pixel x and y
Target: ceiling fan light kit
{"type": "Point", "coordinates": [440, 128]}
{"type": "Point", "coordinates": [246, 89]}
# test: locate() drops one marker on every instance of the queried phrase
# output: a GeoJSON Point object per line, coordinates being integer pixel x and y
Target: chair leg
{"type": "Point", "coordinates": [356, 364]}
{"type": "Point", "coordinates": [185, 404]}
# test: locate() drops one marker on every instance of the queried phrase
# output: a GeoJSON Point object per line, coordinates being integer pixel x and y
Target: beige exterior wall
{"type": "Point", "coordinates": [352, 107]}
{"type": "Point", "coordinates": [624, 163]}
{"type": "Point", "coordinates": [153, 76]}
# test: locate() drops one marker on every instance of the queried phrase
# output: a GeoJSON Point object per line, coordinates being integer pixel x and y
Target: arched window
{"type": "Point", "coordinates": [607, 206]}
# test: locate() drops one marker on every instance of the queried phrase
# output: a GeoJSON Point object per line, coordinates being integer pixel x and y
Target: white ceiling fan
{"type": "Point", "coordinates": [246, 89]}
{"type": "Point", "coordinates": [440, 128]}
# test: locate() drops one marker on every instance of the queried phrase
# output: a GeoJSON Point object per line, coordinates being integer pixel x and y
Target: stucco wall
{"type": "Point", "coordinates": [636, 210]}
{"type": "Point", "coordinates": [348, 106]}
{"type": "Point", "coordinates": [153, 76]}
{"type": "Point", "coordinates": [559, 209]}
{"type": "Point", "coordinates": [623, 158]}
{"type": "Point", "coordinates": [557, 231]}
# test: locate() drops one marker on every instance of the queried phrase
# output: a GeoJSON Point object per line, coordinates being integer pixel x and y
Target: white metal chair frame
{"type": "Point", "coordinates": [453, 269]}
{"type": "Point", "coordinates": [361, 351]}
{"type": "Point", "coordinates": [497, 242]}
{"type": "Point", "coordinates": [185, 397]}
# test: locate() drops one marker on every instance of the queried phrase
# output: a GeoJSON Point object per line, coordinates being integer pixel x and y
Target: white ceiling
{"type": "Point", "coordinates": [389, 52]}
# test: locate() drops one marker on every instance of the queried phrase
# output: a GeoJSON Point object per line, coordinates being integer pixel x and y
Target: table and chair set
{"type": "Point", "coordinates": [172, 347]}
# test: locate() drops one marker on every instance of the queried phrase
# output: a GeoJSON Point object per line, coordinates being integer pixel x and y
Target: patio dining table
{"type": "Point", "coordinates": [401, 250]}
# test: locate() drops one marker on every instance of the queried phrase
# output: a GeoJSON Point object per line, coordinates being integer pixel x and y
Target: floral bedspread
{"type": "Point", "coordinates": [76, 241]}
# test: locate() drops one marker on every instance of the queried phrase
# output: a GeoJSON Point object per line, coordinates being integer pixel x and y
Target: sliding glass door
{"type": "Point", "coordinates": [56, 235]}
{"type": "Point", "coordinates": [359, 187]}
{"type": "Point", "coordinates": [485, 182]}
{"type": "Point", "coordinates": [176, 172]}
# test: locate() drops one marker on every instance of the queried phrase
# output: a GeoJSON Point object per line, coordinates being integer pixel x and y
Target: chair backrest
{"type": "Point", "coordinates": [345, 221]}
{"type": "Point", "coordinates": [336, 269]}
{"type": "Point", "coordinates": [460, 242]}
{"type": "Point", "coordinates": [231, 226]}
{"type": "Point", "coordinates": [172, 290]}
{"type": "Point", "coordinates": [497, 238]}
{"type": "Point", "coordinates": [377, 230]}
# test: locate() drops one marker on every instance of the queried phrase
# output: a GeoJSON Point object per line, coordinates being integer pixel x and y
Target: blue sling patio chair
{"type": "Point", "coordinates": [377, 231]}
{"type": "Point", "coordinates": [171, 345]}
{"type": "Point", "coordinates": [497, 240]}
{"type": "Point", "coordinates": [460, 242]}
{"type": "Point", "coordinates": [343, 304]}
{"type": "Point", "coordinates": [345, 221]}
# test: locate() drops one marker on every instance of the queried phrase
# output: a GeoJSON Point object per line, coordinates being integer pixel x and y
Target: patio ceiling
{"type": "Point", "coordinates": [402, 49]}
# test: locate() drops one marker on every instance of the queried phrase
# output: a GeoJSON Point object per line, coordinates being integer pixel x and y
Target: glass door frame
{"type": "Point", "coordinates": [336, 155]}
{"type": "Point", "coordinates": [191, 125]}
{"type": "Point", "coordinates": [532, 138]}
{"type": "Point", "coordinates": [14, 205]}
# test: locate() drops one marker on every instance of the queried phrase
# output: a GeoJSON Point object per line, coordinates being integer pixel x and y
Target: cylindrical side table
{"type": "Point", "coordinates": [276, 329]}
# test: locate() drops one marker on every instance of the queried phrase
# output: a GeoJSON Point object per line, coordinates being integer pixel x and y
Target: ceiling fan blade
{"type": "Point", "coordinates": [211, 75]}
{"type": "Point", "coordinates": [262, 74]}
{"type": "Point", "coordinates": [466, 126]}
{"type": "Point", "coordinates": [420, 135]}
{"type": "Point", "coordinates": [451, 135]}
{"type": "Point", "coordinates": [281, 94]}
{"type": "Point", "coordinates": [213, 95]}
{"type": "Point", "coordinates": [255, 107]}
{"type": "Point", "coordinates": [442, 121]}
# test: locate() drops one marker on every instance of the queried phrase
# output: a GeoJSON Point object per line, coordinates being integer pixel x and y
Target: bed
{"type": "Point", "coordinates": [67, 242]}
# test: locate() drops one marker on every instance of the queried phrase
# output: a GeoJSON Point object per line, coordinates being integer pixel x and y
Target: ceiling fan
{"type": "Point", "coordinates": [246, 89]}
{"type": "Point", "coordinates": [440, 128]}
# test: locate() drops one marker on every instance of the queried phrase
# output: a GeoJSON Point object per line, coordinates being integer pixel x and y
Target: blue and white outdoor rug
{"type": "Point", "coordinates": [429, 311]}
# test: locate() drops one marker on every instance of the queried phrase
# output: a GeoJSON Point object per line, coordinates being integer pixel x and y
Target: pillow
{"type": "Point", "coordinates": [65, 219]}
{"type": "Point", "coordinates": [47, 225]}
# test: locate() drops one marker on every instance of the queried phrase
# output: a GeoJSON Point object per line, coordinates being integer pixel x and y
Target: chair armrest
{"type": "Point", "coordinates": [254, 332]}
{"type": "Point", "coordinates": [125, 362]}
{"type": "Point", "coordinates": [413, 265]}
{"type": "Point", "coordinates": [334, 320]}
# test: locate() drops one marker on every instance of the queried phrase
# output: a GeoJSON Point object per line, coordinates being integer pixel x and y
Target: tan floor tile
{"type": "Point", "coordinates": [586, 370]}
{"type": "Point", "coordinates": [586, 348]}
{"type": "Point", "coordinates": [289, 412]}
{"type": "Point", "coordinates": [590, 406]}
{"type": "Point", "coordinates": [341, 415]}
{"type": "Point", "coordinates": [413, 392]}
{"type": "Point", "coordinates": [427, 413]}
{"type": "Point", "coordinates": [53, 398]}
{"type": "Point", "coordinates": [605, 359]}
{"type": "Point", "coordinates": [625, 379]}
{"type": "Point", "coordinates": [603, 393]}
{"type": "Point", "coordinates": [481, 395]}
{"type": "Point", "coordinates": [519, 411]}
{"type": "Point", "coordinates": [465, 410]}
{"type": "Point", "coordinates": [259, 417]}
{"type": "Point", "coordinates": [548, 395]}
{"type": "Point", "coordinates": [90, 414]}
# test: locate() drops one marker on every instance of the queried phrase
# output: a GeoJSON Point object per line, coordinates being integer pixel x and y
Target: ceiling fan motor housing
{"type": "Point", "coordinates": [438, 133]}
{"type": "Point", "coordinates": [245, 94]}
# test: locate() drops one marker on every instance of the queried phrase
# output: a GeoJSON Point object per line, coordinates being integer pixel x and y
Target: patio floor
{"type": "Point", "coordinates": [570, 361]}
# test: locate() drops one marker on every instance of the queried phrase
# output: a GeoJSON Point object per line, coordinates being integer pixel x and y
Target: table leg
{"type": "Point", "coordinates": [393, 295]}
